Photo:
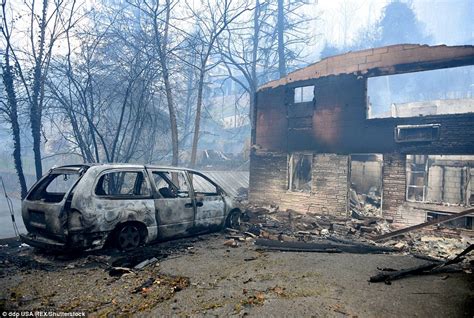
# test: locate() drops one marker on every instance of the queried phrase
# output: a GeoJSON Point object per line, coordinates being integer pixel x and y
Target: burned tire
{"type": "Point", "coordinates": [128, 237]}
{"type": "Point", "coordinates": [233, 219]}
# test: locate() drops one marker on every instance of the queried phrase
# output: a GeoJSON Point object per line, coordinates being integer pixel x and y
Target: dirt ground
{"type": "Point", "coordinates": [203, 277]}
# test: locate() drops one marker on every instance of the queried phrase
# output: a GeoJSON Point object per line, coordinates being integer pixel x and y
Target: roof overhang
{"type": "Point", "coordinates": [393, 59]}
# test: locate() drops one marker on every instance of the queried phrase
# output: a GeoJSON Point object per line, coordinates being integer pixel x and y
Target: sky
{"type": "Point", "coordinates": [449, 22]}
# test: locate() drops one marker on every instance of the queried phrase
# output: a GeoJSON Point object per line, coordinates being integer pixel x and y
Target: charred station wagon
{"type": "Point", "coordinates": [87, 206]}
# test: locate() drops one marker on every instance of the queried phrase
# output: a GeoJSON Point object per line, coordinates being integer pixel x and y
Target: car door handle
{"type": "Point", "coordinates": [188, 205]}
{"type": "Point", "coordinates": [199, 203]}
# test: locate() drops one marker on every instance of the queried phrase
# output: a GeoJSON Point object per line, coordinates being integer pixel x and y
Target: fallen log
{"type": "Point", "coordinates": [421, 269]}
{"type": "Point", "coordinates": [321, 247]}
{"type": "Point", "coordinates": [387, 277]}
{"type": "Point", "coordinates": [422, 225]}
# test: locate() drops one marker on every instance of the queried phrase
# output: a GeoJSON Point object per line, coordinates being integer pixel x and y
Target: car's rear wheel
{"type": "Point", "coordinates": [128, 237]}
{"type": "Point", "coordinates": [233, 219]}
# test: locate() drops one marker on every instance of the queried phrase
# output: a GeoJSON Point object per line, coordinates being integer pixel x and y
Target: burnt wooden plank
{"type": "Point", "coordinates": [422, 225]}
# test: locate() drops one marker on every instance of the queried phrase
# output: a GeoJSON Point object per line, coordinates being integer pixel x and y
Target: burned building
{"type": "Point", "coordinates": [395, 124]}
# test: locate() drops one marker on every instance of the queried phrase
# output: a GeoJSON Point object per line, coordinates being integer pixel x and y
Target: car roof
{"type": "Point", "coordinates": [77, 168]}
{"type": "Point", "coordinates": [120, 165]}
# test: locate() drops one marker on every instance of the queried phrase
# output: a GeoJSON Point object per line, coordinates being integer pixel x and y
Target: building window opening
{"type": "Point", "coordinates": [417, 177]}
{"type": "Point", "coordinates": [303, 94]}
{"type": "Point", "coordinates": [440, 179]}
{"type": "Point", "coordinates": [365, 193]}
{"type": "Point", "coordinates": [426, 93]}
{"type": "Point", "coordinates": [300, 173]}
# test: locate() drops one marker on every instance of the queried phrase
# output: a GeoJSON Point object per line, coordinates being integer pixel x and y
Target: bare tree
{"type": "Point", "coordinates": [162, 40]}
{"type": "Point", "coordinates": [44, 30]}
{"type": "Point", "coordinates": [10, 108]}
{"type": "Point", "coordinates": [109, 104]}
{"type": "Point", "coordinates": [211, 20]}
{"type": "Point", "coordinates": [290, 33]}
{"type": "Point", "coordinates": [159, 15]}
{"type": "Point", "coordinates": [263, 49]}
{"type": "Point", "coordinates": [133, 58]}
{"type": "Point", "coordinates": [280, 26]}
{"type": "Point", "coordinates": [244, 51]}
{"type": "Point", "coordinates": [190, 74]}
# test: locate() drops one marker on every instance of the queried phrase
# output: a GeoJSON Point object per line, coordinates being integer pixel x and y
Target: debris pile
{"type": "Point", "coordinates": [271, 223]}
{"type": "Point", "coordinates": [362, 205]}
{"type": "Point", "coordinates": [387, 275]}
{"type": "Point", "coordinates": [290, 231]}
{"type": "Point", "coordinates": [439, 243]}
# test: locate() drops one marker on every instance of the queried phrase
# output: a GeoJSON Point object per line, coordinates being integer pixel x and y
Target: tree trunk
{"type": "Point", "coordinates": [36, 106]}
{"type": "Point", "coordinates": [187, 113]}
{"type": "Point", "coordinates": [162, 44]}
{"type": "Point", "coordinates": [114, 153]}
{"type": "Point", "coordinates": [281, 39]}
{"type": "Point", "coordinates": [173, 121]}
{"type": "Point", "coordinates": [254, 80]}
{"type": "Point", "coordinates": [7, 76]}
{"type": "Point", "coordinates": [17, 156]}
{"type": "Point", "coordinates": [89, 122]}
{"type": "Point", "coordinates": [197, 120]}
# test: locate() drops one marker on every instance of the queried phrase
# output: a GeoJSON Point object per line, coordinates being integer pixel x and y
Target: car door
{"type": "Point", "coordinates": [210, 205]}
{"type": "Point", "coordinates": [174, 208]}
{"type": "Point", "coordinates": [121, 195]}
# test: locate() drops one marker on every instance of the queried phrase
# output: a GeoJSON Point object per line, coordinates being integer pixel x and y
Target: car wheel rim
{"type": "Point", "coordinates": [129, 237]}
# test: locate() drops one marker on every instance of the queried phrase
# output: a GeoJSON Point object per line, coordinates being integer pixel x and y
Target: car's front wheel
{"type": "Point", "coordinates": [128, 237]}
{"type": "Point", "coordinates": [233, 220]}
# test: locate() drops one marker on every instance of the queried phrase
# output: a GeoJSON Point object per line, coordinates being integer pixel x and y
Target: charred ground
{"type": "Point", "coordinates": [228, 274]}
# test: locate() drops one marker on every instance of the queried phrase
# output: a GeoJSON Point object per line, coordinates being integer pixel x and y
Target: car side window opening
{"type": "Point", "coordinates": [122, 183]}
{"type": "Point", "coordinates": [54, 187]}
{"type": "Point", "coordinates": [202, 186]}
{"type": "Point", "coordinates": [171, 184]}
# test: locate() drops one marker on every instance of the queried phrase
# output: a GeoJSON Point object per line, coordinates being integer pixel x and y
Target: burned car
{"type": "Point", "coordinates": [88, 206]}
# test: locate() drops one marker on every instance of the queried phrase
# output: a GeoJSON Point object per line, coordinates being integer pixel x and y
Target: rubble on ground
{"type": "Point", "coordinates": [269, 222]}
{"type": "Point", "coordinates": [272, 223]}
{"type": "Point", "coordinates": [387, 275]}
{"type": "Point", "coordinates": [363, 205]}
{"type": "Point", "coordinates": [434, 243]}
